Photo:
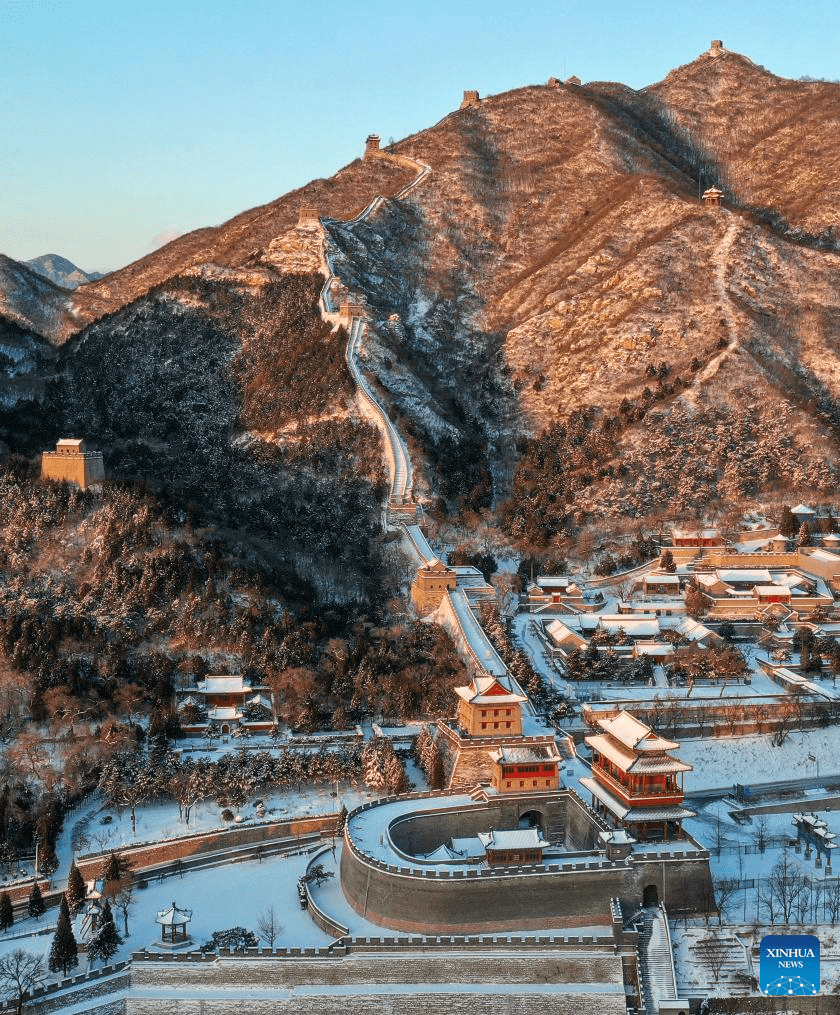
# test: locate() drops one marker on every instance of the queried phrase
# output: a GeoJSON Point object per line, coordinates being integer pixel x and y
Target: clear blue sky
{"type": "Point", "coordinates": [125, 121]}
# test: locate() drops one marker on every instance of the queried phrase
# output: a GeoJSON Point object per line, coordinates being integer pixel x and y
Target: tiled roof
{"type": "Point", "coordinates": [634, 734]}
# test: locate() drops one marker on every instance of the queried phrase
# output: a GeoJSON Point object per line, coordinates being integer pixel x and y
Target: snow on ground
{"type": "Point", "coordinates": [755, 759]}
{"type": "Point", "coordinates": [220, 898]}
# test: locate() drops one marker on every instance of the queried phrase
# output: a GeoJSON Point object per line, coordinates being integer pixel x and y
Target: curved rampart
{"type": "Point", "coordinates": [321, 919]}
{"type": "Point", "coordinates": [473, 899]}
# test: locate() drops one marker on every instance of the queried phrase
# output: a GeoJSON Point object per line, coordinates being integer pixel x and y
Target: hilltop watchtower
{"type": "Point", "coordinates": [716, 48]}
{"type": "Point", "coordinates": [470, 99]}
{"type": "Point", "coordinates": [72, 463]}
{"type": "Point", "coordinates": [372, 145]}
{"type": "Point", "coordinates": [308, 217]}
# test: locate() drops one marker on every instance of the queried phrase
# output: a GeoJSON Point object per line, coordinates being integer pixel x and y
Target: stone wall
{"type": "Point", "coordinates": [429, 1002]}
{"type": "Point", "coordinates": [570, 891]}
{"type": "Point", "coordinates": [424, 830]}
{"type": "Point", "coordinates": [576, 977]}
{"type": "Point", "coordinates": [166, 851]}
{"type": "Point", "coordinates": [822, 1004]}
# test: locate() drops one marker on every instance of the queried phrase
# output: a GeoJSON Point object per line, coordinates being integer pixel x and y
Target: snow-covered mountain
{"type": "Point", "coordinates": [61, 271]}
{"type": "Point", "coordinates": [554, 312]}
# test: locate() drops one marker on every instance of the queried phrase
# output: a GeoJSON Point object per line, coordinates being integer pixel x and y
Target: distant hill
{"type": "Point", "coordinates": [61, 271]}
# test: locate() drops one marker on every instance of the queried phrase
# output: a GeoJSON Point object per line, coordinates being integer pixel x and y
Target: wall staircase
{"type": "Point", "coordinates": [656, 959]}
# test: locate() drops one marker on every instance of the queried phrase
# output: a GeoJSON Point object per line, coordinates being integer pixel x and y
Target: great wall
{"type": "Point", "coordinates": [456, 957]}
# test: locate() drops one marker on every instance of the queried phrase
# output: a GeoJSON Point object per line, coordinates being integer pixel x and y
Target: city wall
{"type": "Point", "coordinates": [408, 897]}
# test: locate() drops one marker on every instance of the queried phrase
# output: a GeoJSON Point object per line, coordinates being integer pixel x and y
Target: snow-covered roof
{"type": "Point", "coordinates": [467, 846]}
{"type": "Point", "coordinates": [616, 837]}
{"type": "Point", "coordinates": [674, 812]}
{"type": "Point", "coordinates": [436, 565]}
{"type": "Point", "coordinates": [514, 838]}
{"type": "Point", "coordinates": [643, 625]}
{"type": "Point", "coordinates": [654, 648]}
{"type": "Point", "coordinates": [223, 685]}
{"type": "Point", "coordinates": [694, 630]}
{"type": "Point", "coordinates": [771, 590]}
{"type": "Point", "coordinates": [754, 576]}
{"type": "Point", "coordinates": [819, 554]}
{"type": "Point", "coordinates": [802, 509]}
{"type": "Point", "coordinates": [629, 761]}
{"type": "Point", "coordinates": [789, 578]}
{"type": "Point", "coordinates": [560, 634]}
{"type": "Point", "coordinates": [525, 755]}
{"type": "Point", "coordinates": [173, 916]}
{"type": "Point", "coordinates": [476, 698]}
{"type": "Point", "coordinates": [69, 442]}
{"type": "Point", "coordinates": [224, 713]}
{"type": "Point", "coordinates": [442, 854]}
{"type": "Point", "coordinates": [553, 582]}
{"type": "Point", "coordinates": [662, 578]}
{"type": "Point", "coordinates": [633, 733]}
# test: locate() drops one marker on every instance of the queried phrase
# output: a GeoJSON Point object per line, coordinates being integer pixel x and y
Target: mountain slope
{"type": "Point", "coordinates": [558, 256]}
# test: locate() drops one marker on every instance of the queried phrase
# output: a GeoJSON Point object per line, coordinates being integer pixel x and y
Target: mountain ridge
{"type": "Point", "coordinates": [558, 256]}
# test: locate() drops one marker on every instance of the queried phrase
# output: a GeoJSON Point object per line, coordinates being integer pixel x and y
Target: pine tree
{"type": "Point", "coordinates": [36, 906]}
{"type": "Point", "coordinates": [107, 939]}
{"type": "Point", "coordinates": [396, 781]}
{"type": "Point", "coordinates": [115, 873]}
{"type": "Point", "coordinates": [373, 764]}
{"type": "Point", "coordinates": [64, 953]}
{"type": "Point", "coordinates": [788, 524]}
{"type": "Point", "coordinates": [7, 914]}
{"type": "Point", "coordinates": [76, 890]}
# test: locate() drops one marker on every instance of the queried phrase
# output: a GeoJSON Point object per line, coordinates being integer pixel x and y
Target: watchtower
{"type": "Point", "coordinates": [431, 583]}
{"type": "Point", "coordinates": [372, 145]}
{"type": "Point", "coordinates": [470, 99]}
{"type": "Point", "coordinates": [72, 463]}
{"type": "Point", "coordinates": [716, 48]}
{"type": "Point", "coordinates": [308, 217]}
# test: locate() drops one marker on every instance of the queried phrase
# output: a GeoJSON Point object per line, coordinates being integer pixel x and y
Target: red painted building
{"type": "Point", "coordinates": [525, 769]}
{"type": "Point", "coordinates": [636, 783]}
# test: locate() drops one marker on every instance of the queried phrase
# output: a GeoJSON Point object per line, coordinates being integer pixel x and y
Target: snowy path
{"type": "Point", "coordinates": [472, 636]}
{"type": "Point", "coordinates": [396, 453]}
{"type": "Point", "coordinates": [399, 460]}
{"type": "Point", "coordinates": [721, 290]}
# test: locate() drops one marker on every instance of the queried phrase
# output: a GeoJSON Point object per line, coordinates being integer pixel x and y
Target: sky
{"type": "Point", "coordinates": [124, 123]}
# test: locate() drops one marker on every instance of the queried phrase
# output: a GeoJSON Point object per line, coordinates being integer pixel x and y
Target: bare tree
{"type": "Point", "coordinates": [761, 832]}
{"type": "Point", "coordinates": [124, 901]}
{"type": "Point", "coordinates": [713, 951]}
{"type": "Point", "coordinates": [269, 926]}
{"type": "Point", "coordinates": [21, 971]}
{"type": "Point", "coordinates": [784, 889]}
{"type": "Point", "coordinates": [725, 891]}
{"type": "Point", "coordinates": [831, 898]}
